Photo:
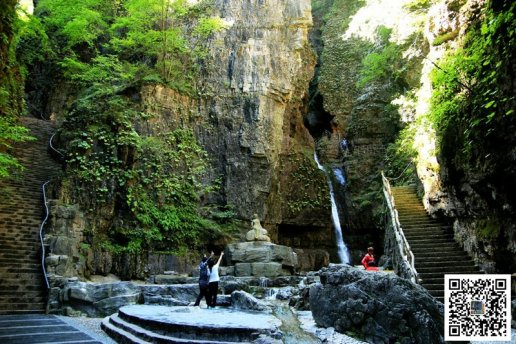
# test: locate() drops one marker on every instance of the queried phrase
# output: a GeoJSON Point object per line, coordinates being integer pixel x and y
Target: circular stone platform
{"type": "Point", "coordinates": [192, 324]}
{"type": "Point", "coordinates": [203, 317]}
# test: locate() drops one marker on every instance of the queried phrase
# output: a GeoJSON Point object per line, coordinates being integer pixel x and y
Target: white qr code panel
{"type": "Point", "coordinates": [477, 307]}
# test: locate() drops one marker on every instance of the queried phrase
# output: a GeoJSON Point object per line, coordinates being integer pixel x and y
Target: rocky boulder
{"type": "Point", "coordinates": [381, 307]}
{"type": "Point", "coordinates": [261, 258]}
{"type": "Point", "coordinates": [169, 295]}
{"type": "Point", "coordinates": [92, 299]}
{"type": "Point", "coordinates": [245, 301]}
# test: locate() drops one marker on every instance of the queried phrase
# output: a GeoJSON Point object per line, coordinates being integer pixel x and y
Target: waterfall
{"type": "Point", "coordinates": [268, 293]}
{"type": "Point", "coordinates": [342, 248]}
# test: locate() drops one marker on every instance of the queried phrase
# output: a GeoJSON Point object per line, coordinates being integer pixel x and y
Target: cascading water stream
{"type": "Point", "coordinates": [343, 251]}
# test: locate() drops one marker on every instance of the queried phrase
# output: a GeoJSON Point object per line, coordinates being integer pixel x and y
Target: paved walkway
{"type": "Point", "coordinates": [40, 328]}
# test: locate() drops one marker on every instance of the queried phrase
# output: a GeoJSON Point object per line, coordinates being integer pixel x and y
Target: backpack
{"type": "Point", "coordinates": [204, 275]}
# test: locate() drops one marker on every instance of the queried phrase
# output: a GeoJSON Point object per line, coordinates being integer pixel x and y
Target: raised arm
{"type": "Point", "coordinates": [220, 258]}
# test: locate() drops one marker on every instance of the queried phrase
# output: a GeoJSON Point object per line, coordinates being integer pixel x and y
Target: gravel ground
{"type": "Point", "coordinates": [90, 326]}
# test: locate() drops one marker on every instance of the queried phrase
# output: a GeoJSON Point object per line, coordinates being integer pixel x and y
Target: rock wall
{"type": "Point", "coordinates": [249, 117]}
{"type": "Point", "coordinates": [70, 252]}
{"type": "Point", "coordinates": [471, 194]}
{"type": "Point", "coordinates": [364, 113]}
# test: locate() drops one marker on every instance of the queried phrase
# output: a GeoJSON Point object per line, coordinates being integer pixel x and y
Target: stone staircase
{"type": "Point", "coordinates": [22, 285]}
{"type": "Point", "coordinates": [141, 324]}
{"type": "Point", "coordinates": [436, 252]}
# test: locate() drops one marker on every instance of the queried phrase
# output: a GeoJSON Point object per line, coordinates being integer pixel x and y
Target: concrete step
{"type": "Point", "coordinates": [432, 242]}
{"type": "Point", "coordinates": [448, 269]}
{"type": "Point", "coordinates": [416, 245]}
{"type": "Point", "coordinates": [23, 308]}
{"type": "Point", "coordinates": [22, 283]}
{"type": "Point", "coordinates": [187, 325]}
{"type": "Point", "coordinates": [431, 275]}
{"type": "Point", "coordinates": [427, 237]}
{"type": "Point", "coordinates": [424, 241]}
{"type": "Point", "coordinates": [440, 264]}
{"type": "Point", "coordinates": [124, 332]}
{"type": "Point", "coordinates": [457, 255]}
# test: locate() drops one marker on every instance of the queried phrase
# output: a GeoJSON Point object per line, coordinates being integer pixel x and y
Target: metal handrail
{"type": "Point", "coordinates": [52, 146]}
{"type": "Point", "coordinates": [41, 228]}
{"type": "Point", "coordinates": [401, 240]}
{"type": "Point", "coordinates": [43, 254]}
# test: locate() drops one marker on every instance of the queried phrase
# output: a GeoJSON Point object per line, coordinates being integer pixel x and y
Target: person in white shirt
{"type": "Point", "coordinates": [213, 286]}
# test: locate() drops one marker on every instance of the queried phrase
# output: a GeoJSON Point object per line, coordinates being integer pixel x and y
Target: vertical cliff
{"type": "Point", "coordinates": [249, 116]}
{"type": "Point", "coordinates": [475, 143]}
{"type": "Point", "coordinates": [370, 59]}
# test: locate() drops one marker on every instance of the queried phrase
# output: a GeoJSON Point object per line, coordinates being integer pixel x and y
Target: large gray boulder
{"type": "Point", "coordinates": [244, 301]}
{"type": "Point", "coordinates": [381, 307]}
{"type": "Point", "coordinates": [170, 295]}
{"type": "Point", "coordinates": [260, 259]}
{"type": "Point", "coordinates": [260, 252]}
{"type": "Point", "coordinates": [97, 300]}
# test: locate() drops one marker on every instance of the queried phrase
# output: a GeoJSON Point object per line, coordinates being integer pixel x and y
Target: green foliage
{"type": "Point", "coordinates": [417, 5]}
{"type": "Point", "coordinates": [309, 189]}
{"type": "Point", "coordinates": [488, 229]}
{"type": "Point", "coordinates": [75, 23]}
{"type": "Point", "coordinates": [470, 101]}
{"type": "Point", "coordinates": [11, 99]}
{"type": "Point", "coordinates": [33, 45]}
{"type": "Point", "coordinates": [400, 155]}
{"type": "Point", "coordinates": [107, 49]}
{"type": "Point", "coordinates": [445, 37]}
{"type": "Point", "coordinates": [383, 64]}
{"type": "Point", "coordinates": [163, 39]}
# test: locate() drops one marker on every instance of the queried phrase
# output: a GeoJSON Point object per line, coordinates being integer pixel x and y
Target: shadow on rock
{"type": "Point", "coordinates": [380, 307]}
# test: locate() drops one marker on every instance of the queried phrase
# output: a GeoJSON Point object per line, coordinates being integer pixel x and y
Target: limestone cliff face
{"type": "Point", "coordinates": [249, 116]}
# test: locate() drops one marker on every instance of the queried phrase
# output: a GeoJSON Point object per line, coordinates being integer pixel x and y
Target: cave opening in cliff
{"type": "Point", "coordinates": [317, 120]}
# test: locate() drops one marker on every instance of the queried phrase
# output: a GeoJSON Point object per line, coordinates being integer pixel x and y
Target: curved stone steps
{"type": "Point", "coordinates": [125, 332]}
{"type": "Point", "coordinates": [162, 324]}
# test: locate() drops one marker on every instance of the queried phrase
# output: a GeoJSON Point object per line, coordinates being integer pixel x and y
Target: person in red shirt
{"type": "Point", "coordinates": [368, 261]}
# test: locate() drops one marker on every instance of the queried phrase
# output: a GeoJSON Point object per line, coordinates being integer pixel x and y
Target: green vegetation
{"type": "Point", "coordinates": [400, 155]}
{"type": "Point", "coordinates": [385, 64]}
{"type": "Point", "coordinates": [488, 229]}
{"type": "Point", "coordinates": [419, 5]}
{"type": "Point", "coordinates": [305, 193]}
{"type": "Point", "coordinates": [445, 37]}
{"type": "Point", "coordinates": [471, 100]}
{"type": "Point", "coordinates": [161, 39]}
{"type": "Point", "coordinates": [106, 50]}
{"type": "Point", "coordinates": [11, 93]}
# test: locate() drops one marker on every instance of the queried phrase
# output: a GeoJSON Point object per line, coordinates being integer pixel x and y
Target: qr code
{"type": "Point", "coordinates": [477, 307]}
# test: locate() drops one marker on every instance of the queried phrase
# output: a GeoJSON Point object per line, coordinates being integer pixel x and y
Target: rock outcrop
{"type": "Point", "coordinates": [249, 114]}
{"type": "Point", "coordinates": [260, 259]}
{"type": "Point", "coordinates": [381, 307]}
